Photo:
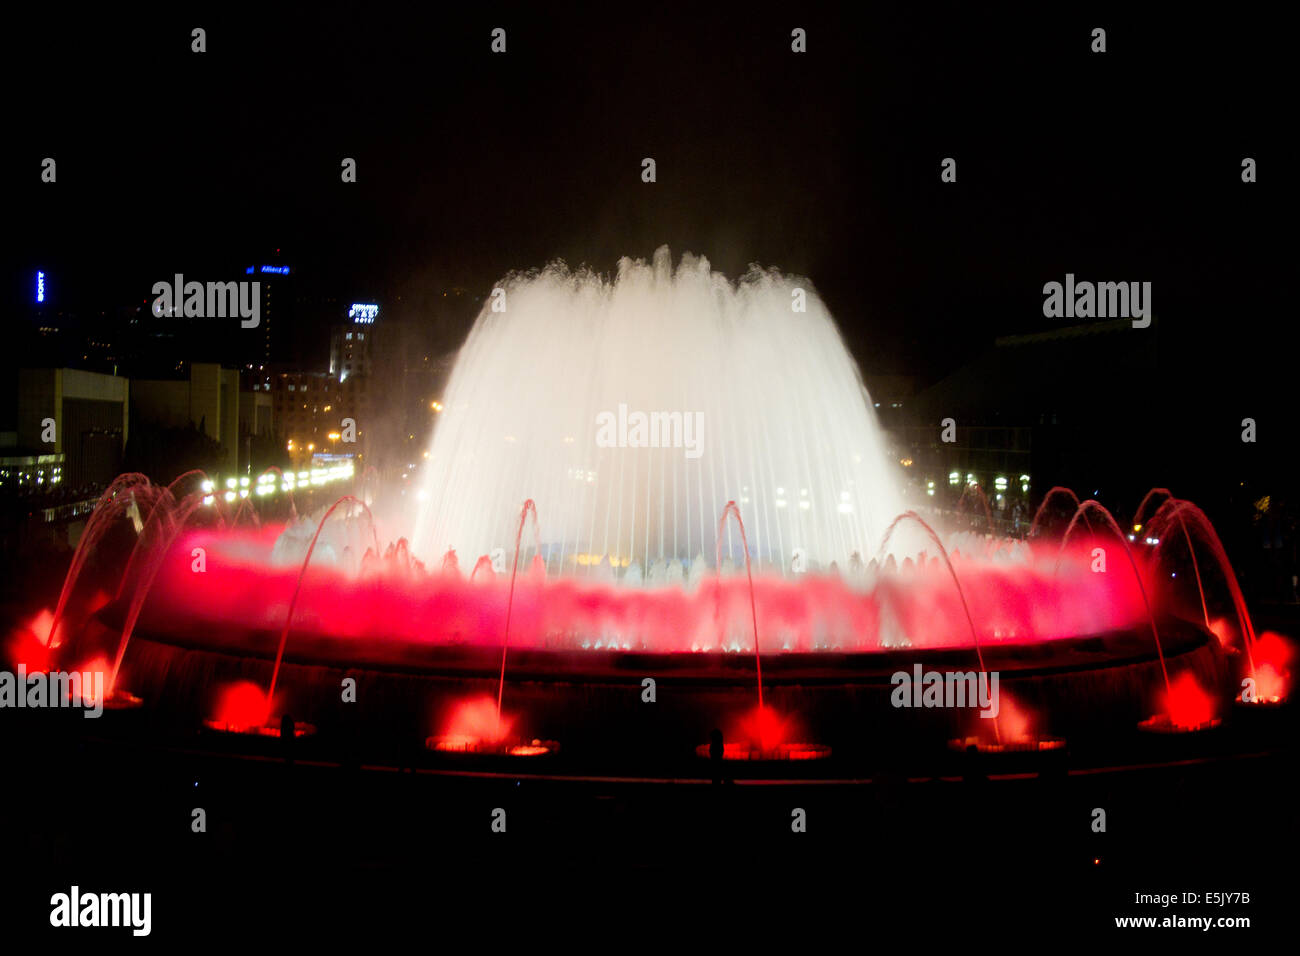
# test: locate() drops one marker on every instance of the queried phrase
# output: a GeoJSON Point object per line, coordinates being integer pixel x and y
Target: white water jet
{"type": "Point", "coordinates": [788, 430]}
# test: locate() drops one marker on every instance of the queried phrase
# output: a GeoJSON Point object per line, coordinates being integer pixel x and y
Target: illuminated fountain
{"type": "Point", "coordinates": [760, 417]}
{"type": "Point", "coordinates": [631, 410]}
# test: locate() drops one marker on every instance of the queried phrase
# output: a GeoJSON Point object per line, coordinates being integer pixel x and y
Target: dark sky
{"type": "Point", "coordinates": [1117, 166]}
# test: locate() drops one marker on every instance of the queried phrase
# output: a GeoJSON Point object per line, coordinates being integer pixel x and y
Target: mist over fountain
{"type": "Point", "coordinates": [787, 430]}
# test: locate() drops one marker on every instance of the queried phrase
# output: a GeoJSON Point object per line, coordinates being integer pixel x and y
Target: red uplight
{"type": "Point", "coordinates": [1272, 655]}
{"type": "Point", "coordinates": [97, 665]}
{"type": "Point", "coordinates": [764, 728]}
{"type": "Point", "coordinates": [1221, 629]}
{"type": "Point", "coordinates": [535, 749]}
{"type": "Point", "coordinates": [1013, 722]}
{"type": "Point", "coordinates": [242, 706]}
{"type": "Point", "coordinates": [1187, 705]}
{"type": "Point", "coordinates": [29, 644]}
{"type": "Point", "coordinates": [476, 720]}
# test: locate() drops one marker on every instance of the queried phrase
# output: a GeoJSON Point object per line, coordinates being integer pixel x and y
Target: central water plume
{"type": "Point", "coordinates": [632, 409]}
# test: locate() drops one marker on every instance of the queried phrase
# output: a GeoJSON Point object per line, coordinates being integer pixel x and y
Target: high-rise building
{"type": "Point", "coordinates": [268, 343]}
{"type": "Point", "coordinates": [352, 344]}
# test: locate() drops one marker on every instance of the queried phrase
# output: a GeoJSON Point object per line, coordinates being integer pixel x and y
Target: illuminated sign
{"type": "Point", "coordinates": [40, 287]}
{"type": "Point", "coordinates": [276, 270]}
{"type": "Point", "coordinates": [362, 313]}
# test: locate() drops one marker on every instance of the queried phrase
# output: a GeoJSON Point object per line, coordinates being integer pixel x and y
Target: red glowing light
{"type": "Point", "coordinates": [242, 707]}
{"type": "Point", "coordinates": [746, 750]}
{"type": "Point", "coordinates": [1272, 654]}
{"type": "Point", "coordinates": [1187, 705]}
{"type": "Point", "coordinates": [535, 749]}
{"type": "Point", "coordinates": [1041, 600]}
{"type": "Point", "coordinates": [805, 751]}
{"type": "Point", "coordinates": [1272, 648]}
{"type": "Point", "coordinates": [764, 728]}
{"type": "Point", "coordinates": [29, 644]}
{"type": "Point", "coordinates": [763, 733]}
{"type": "Point", "coordinates": [1221, 629]}
{"type": "Point", "coordinates": [41, 624]}
{"type": "Point", "coordinates": [475, 720]}
{"type": "Point", "coordinates": [1013, 721]}
{"type": "Point", "coordinates": [1012, 730]}
{"type": "Point", "coordinates": [98, 665]}
{"type": "Point", "coordinates": [475, 728]}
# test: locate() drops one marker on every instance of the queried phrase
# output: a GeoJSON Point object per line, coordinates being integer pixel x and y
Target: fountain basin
{"type": "Point", "coordinates": [1095, 686]}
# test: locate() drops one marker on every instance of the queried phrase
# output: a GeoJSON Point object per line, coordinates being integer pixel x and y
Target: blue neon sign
{"type": "Point", "coordinates": [40, 287]}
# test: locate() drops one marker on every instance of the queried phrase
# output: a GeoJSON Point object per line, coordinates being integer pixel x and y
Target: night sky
{"type": "Point", "coordinates": [1120, 166]}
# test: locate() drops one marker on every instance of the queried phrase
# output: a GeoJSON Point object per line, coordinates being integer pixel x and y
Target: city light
{"type": "Point", "coordinates": [269, 483]}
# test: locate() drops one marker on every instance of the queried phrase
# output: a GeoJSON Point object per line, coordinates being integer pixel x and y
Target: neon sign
{"type": "Point", "coordinates": [40, 287]}
{"type": "Point", "coordinates": [362, 313]}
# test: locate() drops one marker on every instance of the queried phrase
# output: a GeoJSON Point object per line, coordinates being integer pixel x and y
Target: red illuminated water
{"type": "Point", "coordinates": [165, 533]}
{"type": "Point", "coordinates": [1091, 505]}
{"type": "Point", "coordinates": [1187, 514]}
{"type": "Point", "coordinates": [510, 600]}
{"type": "Point", "coordinates": [117, 497]}
{"type": "Point", "coordinates": [1139, 516]}
{"type": "Point", "coordinates": [258, 581]}
{"type": "Point", "coordinates": [245, 590]}
{"type": "Point", "coordinates": [1056, 492]}
{"type": "Point", "coordinates": [943, 553]}
{"type": "Point", "coordinates": [733, 509]}
{"type": "Point", "coordinates": [293, 602]}
{"type": "Point", "coordinates": [976, 491]}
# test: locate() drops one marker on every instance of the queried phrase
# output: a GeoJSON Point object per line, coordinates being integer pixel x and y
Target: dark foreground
{"type": "Point", "coordinates": [298, 846]}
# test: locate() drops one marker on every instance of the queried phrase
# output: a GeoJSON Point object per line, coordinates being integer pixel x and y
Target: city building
{"type": "Point", "coordinates": [352, 344]}
{"type": "Point", "coordinates": [1023, 416]}
{"type": "Point", "coordinates": [207, 397]}
{"type": "Point", "coordinates": [265, 344]}
{"type": "Point", "coordinates": [80, 415]}
{"type": "Point", "coordinates": [308, 409]}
